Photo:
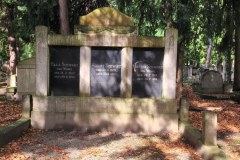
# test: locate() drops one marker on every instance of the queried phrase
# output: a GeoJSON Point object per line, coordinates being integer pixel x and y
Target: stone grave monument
{"type": "Point", "coordinates": [212, 82]}
{"type": "Point", "coordinates": [104, 77]}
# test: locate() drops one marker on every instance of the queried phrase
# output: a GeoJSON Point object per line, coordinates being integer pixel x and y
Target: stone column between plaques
{"type": "Point", "coordinates": [126, 72]}
{"type": "Point", "coordinates": [169, 64]}
{"type": "Point", "coordinates": [42, 61]}
{"type": "Point", "coordinates": [85, 63]}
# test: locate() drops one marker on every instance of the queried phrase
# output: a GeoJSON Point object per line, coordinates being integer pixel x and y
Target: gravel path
{"type": "Point", "coordinates": [101, 146]}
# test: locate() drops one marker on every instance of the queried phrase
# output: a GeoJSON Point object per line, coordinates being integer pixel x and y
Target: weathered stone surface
{"type": "Point", "coordinates": [191, 134]}
{"type": "Point", "coordinates": [103, 104]}
{"type": "Point", "coordinates": [27, 105]}
{"type": "Point", "coordinates": [169, 64]}
{"type": "Point", "coordinates": [122, 114]}
{"type": "Point", "coordinates": [212, 82]}
{"type": "Point", "coordinates": [85, 64]}
{"type": "Point", "coordinates": [13, 130]}
{"type": "Point", "coordinates": [132, 30]}
{"type": "Point", "coordinates": [106, 16]}
{"type": "Point", "coordinates": [27, 63]}
{"type": "Point", "coordinates": [114, 114]}
{"type": "Point", "coordinates": [209, 128]}
{"type": "Point", "coordinates": [184, 110]}
{"type": "Point", "coordinates": [106, 40]}
{"type": "Point", "coordinates": [126, 72]}
{"type": "Point", "coordinates": [105, 121]}
{"type": "Point", "coordinates": [42, 61]}
{"type": "Point", "coordinates": [26, 76]}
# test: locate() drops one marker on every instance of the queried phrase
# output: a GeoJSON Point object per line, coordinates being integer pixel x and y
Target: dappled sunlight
{"type": "Point", "coordinates": [101, 145]}
{"type": "Point", "coordinates": [156, 147]}
{"type": "Point", "coordinates": [203, 104]}
{"type": "Point", "coordinates": [106, 16]}
{"type": "Point", "coordinates": [231, 128]}
{"type": "Point", "coordinates": [228, 118]}
{"type": "Point", "coordinates": [9, 112]}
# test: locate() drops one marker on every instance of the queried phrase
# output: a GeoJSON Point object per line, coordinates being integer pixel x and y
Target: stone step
{"type": "Point", "coordinates": [13, 130]}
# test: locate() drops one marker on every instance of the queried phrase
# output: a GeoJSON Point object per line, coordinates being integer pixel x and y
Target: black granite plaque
{"type": "Point", "coordinates": [64, 70]}
{"type": "Point", "coordinates": [105, 71]}
{"type": "Point", "coordinates": [147, 72]}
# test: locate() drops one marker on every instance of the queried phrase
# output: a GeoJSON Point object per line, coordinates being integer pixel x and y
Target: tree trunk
{"type": "Point", "coordinates": [228, 66]}
{"type": "Point", "coordinates": [64, 21]}
{"type": "Point", "coordinates": [180, 71]}
{"type": "Point", "coordinates": [13, 54]}
{"type": "Point", "coordinates": [209, 51]}
{"type": "Point", "coordinates": [236, 84]}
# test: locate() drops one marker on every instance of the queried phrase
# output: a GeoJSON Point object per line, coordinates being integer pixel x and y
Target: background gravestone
{"type": "Point", "coordinates": [147, 72]}
{"type": "Point", "coordinates": [212, 82]}
{"type": "Point", "coordinates": [64, 70]}
{"type": "Point", "coordinates": [105, 71]}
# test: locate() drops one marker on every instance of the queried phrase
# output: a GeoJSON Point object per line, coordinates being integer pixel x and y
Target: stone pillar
{"type": "Point", "coordinates": [209, 128]}
{"type": "Point", "coordinates": [26, 102]}
{"type": "Point", "coordinates": [126, 72]}
{"type": "Point", "coordinates": [184, 108]}
{"type": "Point", "coordinates": [170, 64]}
{"type": "Point", "coordinates": [42, 61]}
{"type": "Point", "coordinates": [12, 81]}
{"type": "Point", "coordinates": [85, 66]}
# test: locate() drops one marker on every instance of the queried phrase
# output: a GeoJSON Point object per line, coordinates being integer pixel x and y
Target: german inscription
{"type": "Point", "coordinates": [105, 71]}
{"type": "Point", "coordinates": [64, 70]}
{"type": "Point", "coordinates": [147, 72]}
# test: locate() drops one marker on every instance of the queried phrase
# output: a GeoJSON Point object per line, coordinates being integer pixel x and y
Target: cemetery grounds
{"type": "Point", "coordinates": [43, 144]}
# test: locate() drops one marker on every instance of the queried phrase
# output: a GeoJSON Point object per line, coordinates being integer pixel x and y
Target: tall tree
{"type": "Point", "coordinates": [236, 84]}
{"type": "Point", "coordinates": [64, 21]}
{"type": "Point", "coordinates": [183, 17]}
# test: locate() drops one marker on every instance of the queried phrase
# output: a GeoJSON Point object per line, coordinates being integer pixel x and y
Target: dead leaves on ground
{"type": "Point", "coordinates": [13, 150]}
{"type": "Point", "coordinates": [228, 119]}
{"type": "Point", "coordinates": [9, 111]}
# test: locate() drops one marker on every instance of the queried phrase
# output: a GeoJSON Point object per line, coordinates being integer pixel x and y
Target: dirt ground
{"type": "Point", "coordinates": [39, 144]}
{"type": "Point", "coordinates": [62, 145]}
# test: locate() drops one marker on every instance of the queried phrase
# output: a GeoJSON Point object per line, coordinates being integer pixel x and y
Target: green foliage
{"type": "Point", "coordinates": [3, 47]}
{"type": "Point", "coordinates": [197, 22]}
{"type": "Point", "coordinates": [28, 50]}
{"type": "Point", "coordinates": [147, 15]}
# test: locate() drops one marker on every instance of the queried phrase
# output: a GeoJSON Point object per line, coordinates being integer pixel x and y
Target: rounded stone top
{"type": "Point", "coordinates": [106, 16]}
{"type": "Point", "coordinates": [212, 82]}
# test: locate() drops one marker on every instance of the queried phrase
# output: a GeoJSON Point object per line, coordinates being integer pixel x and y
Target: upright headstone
{"type": "Point", "coordinates": [212, 82]}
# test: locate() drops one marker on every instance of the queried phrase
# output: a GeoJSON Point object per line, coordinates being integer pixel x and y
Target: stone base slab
{"type": "Point", "coordinates": [92, 122]}
{"type": "Point", "coordinates": [111, 114]}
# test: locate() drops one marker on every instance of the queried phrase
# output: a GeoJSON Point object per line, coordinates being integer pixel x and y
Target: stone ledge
{"type": "Point", "coordinates": [13, 130]}
{"type": "Point", "coordinates": [210, 109]}
{"type": "Point", "coordinates": [194, 138]}
{"type": "Point", "coordinates": [192, 135]}
{"type": "Point", "coordinates": [104, 105]}
{"type": "Point", "coordinates": [87, 122]}
{"type": "Point", "coordinates": [106, 40]}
